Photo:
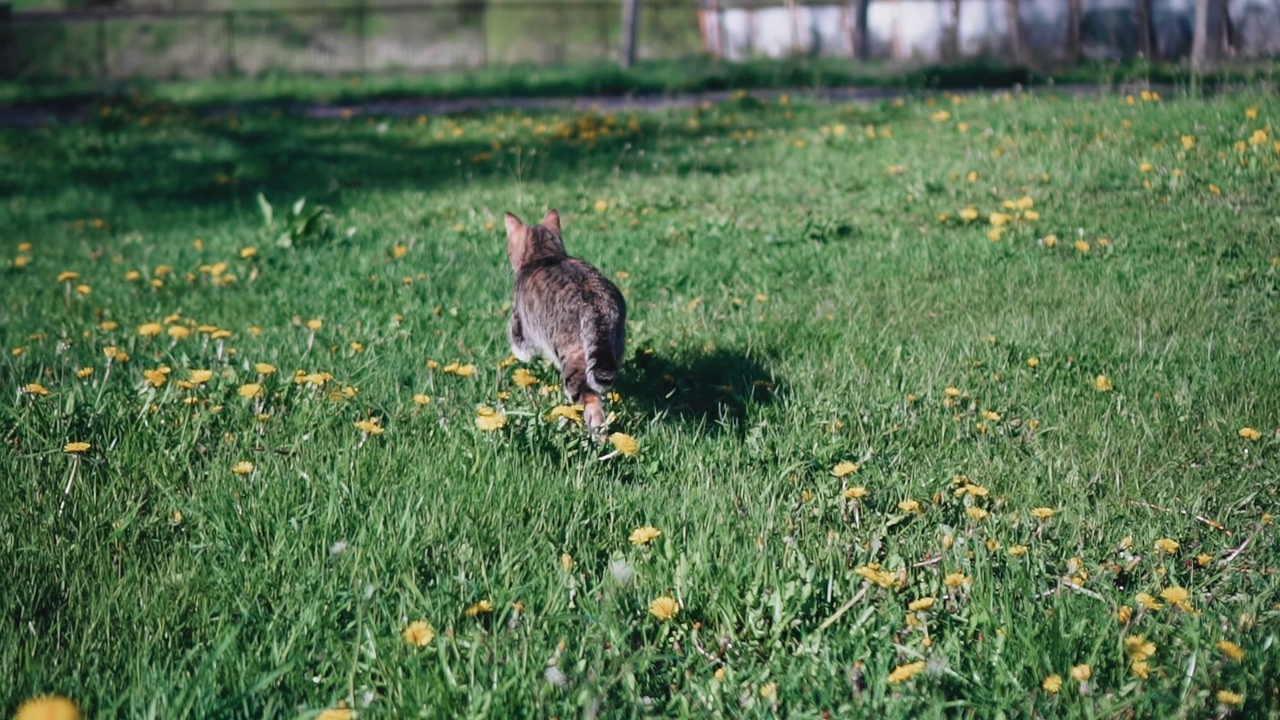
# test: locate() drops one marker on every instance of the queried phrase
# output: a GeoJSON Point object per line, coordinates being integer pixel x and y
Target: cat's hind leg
{"type": "Point", "coordinates": [579, 391]}
{"type": "Point", "coordinates": [520, 346]}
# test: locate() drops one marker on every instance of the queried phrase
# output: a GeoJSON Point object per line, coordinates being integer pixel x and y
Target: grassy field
{"type": "Point", "coordinates": [943, 407]}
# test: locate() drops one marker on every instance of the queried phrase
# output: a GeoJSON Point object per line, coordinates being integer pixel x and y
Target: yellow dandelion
{"type": "Point", "coordinates": [480, 608]}
{"type": "Point", "coordinates": [969, 214]}
{"type": "Point", "coordinates": [488, 419]}
{"type": "Point", "coordinates": [48, 707]}
{"type": "Point", "coordinates": [991, 416]}
{"type": "Point", "coordinates": [1081, 673]}
{"type": "Point", "coordinates": [1052, 684]}
{"type": "Point", "coordinates": [1082, 246]}
{"type": "Point", "coordinates": [67, 276]}
{"type": "Point", "coordinates": [1177, 596]}
{"type": "Point", "coordinates": [370, 426]}
{"type": "Point", "coordinates": [314, 324]}
{"type": "Point", "coordinates": [1042, 513]}
{"type": "Point", "coordinates": [1137, 647]}
{"type": "Point", "coordinates": [1147, 601]}
{"type": "Point", "coordinates": [624, 444]}
{"type": "Point", "coordinates": [1226, 697]}
{"type": "Point", "coordinates": [150, 329]}
{"type": "Point", "coordinates": [250, 390]}
{"type": "Point", "coordinates": [923, 603]}
{"type": "Point", "coordinates": [420, 399]}
{"type": "Point", "coordinates": [1188, 142]}
{"type": "Point", "coordinates": [977, 513]}
{"type": "Point", "coordinates": [200, 377]}
{"type": "Point", "coordinates": [1102, 383]}
{"type": "Point", "coordinates": [1249, 433]}
{"type": "Point", "coordinates": [844, 468]}
{"type": "Point", "coordinates": [1123, 613]}
{"type": "Point", "coordinates": [951, 392]}
{"type": "Point", "coordinates": [998, 219]}
{"type": "Point", "coordinates": [264, 368]}
{"type": "Point", "coordinates": [644, 535]}
{"type": "Point", "coordinates": [856, 492]}
{"type": "Point", "coordinates": [158, 376]}
{"type": "Point", "coordinates": [84, 372]}
{"type": "Point", "coordinates": [341, 712]}
{"type": "Point", "coordinates": [1146, 167]}
{"type": "Point", "coordinates": [910, 506]}
{"type": "Point", "coordinates": [1167, 545]}
{"type": "Point", "coordinates": [903, 673]}
{"type": "Point", "coordinates": [874, 574]}
{"type": "Point", "coordinates": [179, 332]}
{"type": "Point", "coordinates": [664, 608]}
{"type": "Point", "coordinates": [1017, 550]}
{"type": "Point", "coordinates": [244, 467]}
{"type": "Point", "coordinates": [769, 690]}
{"type": "Point", "coordinates": [572, 413]}
{"type": "Point", "coordinates": [955, 579]}
{"type": "Point", "coordinates": [1231, 650]}
{"type": "Point", "coordinates": [523, 378]}
{"type": "Point", "coordinates": [75, 447]}
{"type": "Point", "coordinates": [35, 389]}
{"type": "Point", "coordinates": [419, 633]}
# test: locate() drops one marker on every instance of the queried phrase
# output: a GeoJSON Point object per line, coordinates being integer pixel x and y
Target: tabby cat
{"type": "Point", "coordinates": [566, 311]}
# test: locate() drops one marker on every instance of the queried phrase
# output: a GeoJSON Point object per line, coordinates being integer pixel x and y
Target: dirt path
{"type": "Point", "coordinates": [35, 115]}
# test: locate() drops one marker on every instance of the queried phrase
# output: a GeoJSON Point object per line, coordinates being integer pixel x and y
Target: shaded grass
{"type": "Point", "coordinates": [795, 302]}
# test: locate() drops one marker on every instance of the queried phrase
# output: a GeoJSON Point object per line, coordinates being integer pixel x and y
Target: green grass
{"type": "Point", "coordinates": [795, 302]}
{"type": "Point", "coordinates": [605, 78]}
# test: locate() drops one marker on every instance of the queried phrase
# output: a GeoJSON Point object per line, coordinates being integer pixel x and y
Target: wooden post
{"type": "Point", "coordinates": [1200, 36]}
{"type": "Point", "coordinates": [1075, 13]}
{"type": "Point", "coordinates": [360, 35]}
{"type": "Point", "coordinates": [1227, 48]}
{"type": "Point", "coordinates": [953, 36]}
{"type": "Point", "coordinates": [630, 19]}
{"type": "Point", "coordinates": [1142, 21]}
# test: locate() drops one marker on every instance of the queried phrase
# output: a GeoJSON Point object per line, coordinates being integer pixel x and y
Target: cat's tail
{"type": "Point", "coordinates": [602, 362]}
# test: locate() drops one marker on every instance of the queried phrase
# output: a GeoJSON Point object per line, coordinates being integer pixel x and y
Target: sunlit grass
{"type": "Point", "coordinates": [930, 406]}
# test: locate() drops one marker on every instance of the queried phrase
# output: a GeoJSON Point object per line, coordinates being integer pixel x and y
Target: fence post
{"type": "Point", "coordinates": [102, 49]}
{"type": "Point", "coordinates": [1142, 19]}
{"type": "Point", "coordinates": [229, 23]}
{"type": "Point", "coordinates": [630, 15]}
{"type": "Point", "coordinates": [1074, 14]}
{"type": "Point", "coordinates": [360, 35]}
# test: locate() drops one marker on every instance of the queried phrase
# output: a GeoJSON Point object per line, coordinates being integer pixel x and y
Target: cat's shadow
{"type": "Point", "coordinates": [714, 389]}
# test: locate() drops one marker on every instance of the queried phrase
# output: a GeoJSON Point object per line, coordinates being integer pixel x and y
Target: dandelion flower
{"type": "Point", "coordinates": [1082, 246]}
{"type": "Point", "coordinates": [244, 467]}
{"type": "Point", "coordinates": [523, 378]}
{"type": "Point", "coordinates": [341, 712]}
{"type": "Point", "coordinates": [1226, 697]}
{"type": "Point", "coordinates": [1231, 650]}
{"type": "Point", "coordinates": [419, 633]}
{"type": "Point", "coordinates": [719, 675]}
{"type": "Point", "coordinates": [369, 426]}
{"type": "Point", "coordinates": [314, 324]}
{"type": "Point", "coordinates": [1249, 433]}
{"type": "Point", "coordinates": [420, 399]}
{"type": "Point", "coordinates": [158, 376]}
{"type": "Point", "coordinates": [664, 608]}
{"type": "Point", "coordinates": [84, 372]}
{"type": "Point", "coordinates": [35, 389]}
{"type": "Point", "coordinates": [1052, 684]}
{"type": "Point", "coordinates": [460, 370]}
{"type": "Point", "coordinates": [977, 513]}
{"type": "Point", "coordinates": [1167, 545]}
{"type": "Point", "coordinates": [624, 444]}
{"type": "Point", "coordinates": [874, 574]}
{"type": "Point", "coordinates": [1188, 142]}
{"type": "Point", "coordinates": [67, 276]}
{"type": "Point", "coordinates": [1081, 672]}
{"type": "Point", "coordinates": [1138, 647]}
{"type": "Point", "coordinates": [951, 392]}
{"type": "Point", "coordinates": [75, 447]}
{"type": "Point", "coordinates": [1123, 613]}
{"type": "Point", "coordinates": [844, 468]}
{"type": "Point", "coordinates": [1147, 601]}
{"type": "Point", "coordinates": [910, 506]}
{"type": "Point", "coordinates": [179, 332]}
{"type": "Point", "coordinates": [1177, 596]}
{"type": "Point", "coordinates": [1033, 362]}
{"type": "Point", "coordinates": [769, 690]}
{"type": "Point", "coordinates": [1042, 513]}
{"type": "Point", "coordinates": [264, 368]}
{"type": "Point", "coordinates": [1017, 550]}
{"type": "Point", "coordinates": [955, 579]}
{"type": "Point", "coordinates": [991, 415]}
{"type": "Point", "coordinates": [1102, 383]}
{"type": "Point", "coordinates": [856, 492]}
{"type": "Point", "coordinates": [480, 608]}
{"type": "Point", "coordinates": [572, 413]}
{"type": "Point", "coordinates": [488, 419]}
{"type": "Point", "coordinates": [644, 535]}
{"type": "Point", "coordinates": [902, 673]}
{"type": "Point", "coordinates": [250, 390]}
{"type": "Point", "coordinates": [923, 603]}
{"type": "Point", "coordinates": [150, 329]}
{"type": "Point", "coordinates": [969, 214]}
{"type": "Point", "coordinates": [200, 377]}
{"type": "Point", "coordinates": [49, 707]}
{"type": "Point", "coordinates": [998, 219]}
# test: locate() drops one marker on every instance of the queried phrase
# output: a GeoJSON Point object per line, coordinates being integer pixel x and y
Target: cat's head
{"type": "Point", "coordinates": [530, 242]}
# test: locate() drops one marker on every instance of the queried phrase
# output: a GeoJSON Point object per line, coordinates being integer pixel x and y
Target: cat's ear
{"type": "Point", "coordinates": [514, 226]}
{"type": "Point", "coordinates": [552, 221]}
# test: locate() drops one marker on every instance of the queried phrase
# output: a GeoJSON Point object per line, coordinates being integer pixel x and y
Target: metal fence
{"type": "Point", "coordinates": [460, 34]}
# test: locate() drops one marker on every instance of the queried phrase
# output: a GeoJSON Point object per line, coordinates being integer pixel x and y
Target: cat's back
{"type": "Point", "coordinates": [567, 281]}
